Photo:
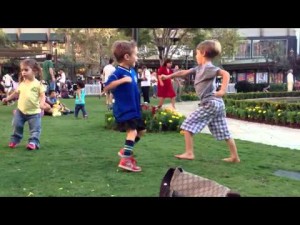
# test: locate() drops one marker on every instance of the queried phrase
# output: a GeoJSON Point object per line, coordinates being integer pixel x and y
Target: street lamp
{"type": "Point", "coordinates": [161, 50]}
{"type": "Point", "coordinates": [187, 53]}
{"type": "Point", "coordinates": [292, 59]}
{"type": "Point", "coordinates": [135, 35]}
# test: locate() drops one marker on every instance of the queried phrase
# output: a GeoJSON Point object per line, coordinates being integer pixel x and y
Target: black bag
{"type": "Point", "coordinates": [179, 183]}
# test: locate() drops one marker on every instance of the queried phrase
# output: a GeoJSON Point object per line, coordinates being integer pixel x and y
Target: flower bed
{"type": "Point", "coordinates": [275, 113]}
{"type": "Point", "coordinates": [156, 120]}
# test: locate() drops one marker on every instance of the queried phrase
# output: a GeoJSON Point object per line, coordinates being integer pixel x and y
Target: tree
{"type": "Point", "coordinates": [229, 39]}
{"type": "Point", "coordinates": [274, 54]}
{"type": "Point", "coordinates": [90, 45]}
{"type": "Point", "coordinates": [4, 41]}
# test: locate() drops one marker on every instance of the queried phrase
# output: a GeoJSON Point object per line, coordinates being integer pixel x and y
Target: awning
{"type": "Point", "coordinates": [12, 37]}
{"type": "Point", "coordinates": [33, 37]}
{"type": "Point", "coordinates": [15, 53]}
{"type": "Point", "coordinates": [57, 37]}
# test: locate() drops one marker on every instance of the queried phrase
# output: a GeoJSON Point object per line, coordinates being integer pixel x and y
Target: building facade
{"type": "Point", "coordinates": [43, 38]}
{"type": "Point", "coordinates": [264, 55]}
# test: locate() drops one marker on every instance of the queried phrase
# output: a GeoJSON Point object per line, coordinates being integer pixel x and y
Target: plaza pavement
{"type": "Point", "coordinates": [250, 131]}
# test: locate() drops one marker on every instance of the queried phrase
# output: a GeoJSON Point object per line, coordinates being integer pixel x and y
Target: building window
{"type": "Point", "coordinates": [244, 50]}
{"type": "Point", "coordinates": [276, 78]}
{"type": "Point", "coordinates": [271, 46]}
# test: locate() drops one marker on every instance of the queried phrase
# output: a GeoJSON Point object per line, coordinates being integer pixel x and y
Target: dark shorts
{"type": "Point", "coordinates": [133, 124]}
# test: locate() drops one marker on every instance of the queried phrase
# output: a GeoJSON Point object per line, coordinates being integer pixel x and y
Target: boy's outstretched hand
{"type": "Point", "coordinates": [164, 77]}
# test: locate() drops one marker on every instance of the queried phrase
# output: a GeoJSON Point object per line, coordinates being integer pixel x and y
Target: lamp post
{"type": "Point", "coordinates": [187, 53]}
{"type": "Point", "coordinates": [135, 35]}
{"type": "Point", "coordinates": [292, 59]}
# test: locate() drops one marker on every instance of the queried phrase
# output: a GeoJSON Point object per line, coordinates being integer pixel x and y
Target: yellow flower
{"type": "Point", "coordinates": [109, 119]}
{"type": "Point", "coordinates": [170, 121]}
{"type": "Point", "coordinates": [160, 123]}
{"type": "Point", "coordinates": [259, 111]}
{"type": "Point", "coordinates": [279, 114]}
{"type": "Point", "coordinates": [264, 111]}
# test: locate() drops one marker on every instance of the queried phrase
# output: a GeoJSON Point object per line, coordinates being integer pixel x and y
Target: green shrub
{"type": "Point", "coordinates": [278, 87]}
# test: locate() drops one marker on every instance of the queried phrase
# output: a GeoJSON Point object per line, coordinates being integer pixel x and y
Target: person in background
{"type": "Point", "coordinates": [145, 84]}
{"type": "Point", "coordinates": [107, 71]}
{"type": "Point", "coordinates": [80, 100]}
{"type": "Point", "coordinates": [164, 87]}
{"type": "Point", "coordinates": [48, 73]}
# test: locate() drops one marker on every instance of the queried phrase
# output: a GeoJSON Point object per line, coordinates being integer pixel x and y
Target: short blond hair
{"type": "Point", "coordinates": [212, 48]}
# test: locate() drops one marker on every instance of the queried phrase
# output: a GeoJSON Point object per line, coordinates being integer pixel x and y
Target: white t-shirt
{"type": "Point", "coordinates": [153, 80]}
{"type": "Point", "coordinates": [7, 80]}
{"type": "Point", "coordinates": [290, 78]}
{"type": "Point", "coordinates": [62, 77]}
{"type": "Point", "coordinates": [147, 75]}
{"type": "Point", "coordinates": [107, 71]}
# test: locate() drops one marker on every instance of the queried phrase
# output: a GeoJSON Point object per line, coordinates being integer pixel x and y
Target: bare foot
{"type": "Point", "coordinates": [185, 156]}
{"type": "Point", "coordinates": [232, 160]}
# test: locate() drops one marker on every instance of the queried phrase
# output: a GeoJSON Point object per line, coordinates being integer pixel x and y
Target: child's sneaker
{"type": "Point", "coordinates": [129, 164]}
{"type": "Point", "coordinates": [121, 152]}
{"type": "Point", "coordinates": [12, 144]}
{"type": "Point", "coordinates": [31, 146]}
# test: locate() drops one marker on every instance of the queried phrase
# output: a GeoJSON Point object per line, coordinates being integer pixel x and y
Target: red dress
{"type": "Point", "coordinates": [167, 90]}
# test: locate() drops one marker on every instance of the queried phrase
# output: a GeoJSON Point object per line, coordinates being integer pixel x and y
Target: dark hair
{"type": "Point", "coordinates": [111, 60]}
{"type": "Point", "coordinates": [121, 48]}
{"type": "Point", "coordinates": [49, 56]}
{"type": "Point", "coordinates": [51, 91]}
{"type": "Point", "coordinates": [80, 84]}
{"type": "Point", "coordinates": [167, 60]}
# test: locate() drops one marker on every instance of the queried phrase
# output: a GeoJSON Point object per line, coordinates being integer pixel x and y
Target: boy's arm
{"type": "Point", "coordinates": [180, 73]}
{"type": "Point", "coordinates": [225, 80]}
{"type": "Point", "coordinates": [116, 83]}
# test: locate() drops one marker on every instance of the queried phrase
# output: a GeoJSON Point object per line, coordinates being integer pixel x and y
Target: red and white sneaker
{"type": "Point", "coordinates": [121, 152]}
{"type": "Point", "coordinates": [12, 144]}
{"type": "Point", "coordinates": [129, 164]}
{"type": "Point", "coordinates": [31, 146]}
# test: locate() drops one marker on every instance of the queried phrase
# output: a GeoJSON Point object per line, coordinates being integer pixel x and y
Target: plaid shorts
{"type": "Point", "coordinates": [211, 113]}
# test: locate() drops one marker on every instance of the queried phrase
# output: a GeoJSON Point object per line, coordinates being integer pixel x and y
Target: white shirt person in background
{"type": "Point", "coordinates": [8, 82]}
{"type": "Point", "coordinates": [107, 71]}
{"type": "Point", "coordinates": [145, 84]}
{"type": "Point", "coordinates": [290, 80]}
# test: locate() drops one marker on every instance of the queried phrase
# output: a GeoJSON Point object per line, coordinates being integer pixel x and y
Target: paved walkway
{"type": "Point", "coordinates": [254, 132]}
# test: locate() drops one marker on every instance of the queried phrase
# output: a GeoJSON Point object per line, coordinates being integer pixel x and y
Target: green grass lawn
{"type": "Point", "coordinates": [79, 158]}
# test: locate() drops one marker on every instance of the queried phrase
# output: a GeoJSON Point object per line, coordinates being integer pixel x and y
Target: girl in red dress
{"type": "Point", "coordinates": [164, 87]}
